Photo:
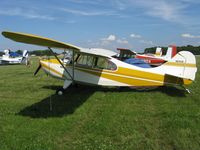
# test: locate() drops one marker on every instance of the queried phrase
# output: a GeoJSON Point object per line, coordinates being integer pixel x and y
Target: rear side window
{"type": "Point", "coordinates": [103, 63]}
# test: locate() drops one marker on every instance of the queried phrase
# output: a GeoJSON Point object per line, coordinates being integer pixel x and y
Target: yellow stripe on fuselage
{"type": "Point", "coordinates": [49, 68]}
{"type": "Point", "coordinates": [54, 61]}
{"type": "Point", "coordinates": [180, 64]}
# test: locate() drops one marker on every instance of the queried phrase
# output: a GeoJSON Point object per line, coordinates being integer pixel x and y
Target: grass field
{"type": "Point", "coordinates": [92, 117]}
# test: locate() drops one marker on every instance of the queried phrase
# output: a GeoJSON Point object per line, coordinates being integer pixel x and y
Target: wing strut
{"type": "Point", "coordinates": [71, 76]}
{"type": "Point", "coordinates": [73, 65]}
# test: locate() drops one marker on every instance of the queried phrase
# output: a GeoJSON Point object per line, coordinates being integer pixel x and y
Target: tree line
{"type": "Point", "coordinates": [193, 49]}
{"type": "Point", "coordinates": [40, 53]}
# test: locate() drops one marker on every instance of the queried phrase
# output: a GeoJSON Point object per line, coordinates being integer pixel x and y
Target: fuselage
{"type": "Point", "coordinates": [10, 60]}
{"type": "Point", "coordinates": [117, 74]}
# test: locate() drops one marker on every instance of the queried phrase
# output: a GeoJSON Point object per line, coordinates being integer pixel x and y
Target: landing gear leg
{"type": "Point", "coordinates": [67, 83]}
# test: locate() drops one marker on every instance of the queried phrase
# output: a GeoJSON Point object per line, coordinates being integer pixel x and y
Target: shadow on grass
{"type": "Point", "coordinates": [61, 105]}
{"type": "Point", "coordinates": [74, 97]}
{"type": "Point", "coordinates": [172, 91]}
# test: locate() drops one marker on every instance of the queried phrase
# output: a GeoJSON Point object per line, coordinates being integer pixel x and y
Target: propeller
{"type": "Point", "coordinates": [38, 68]}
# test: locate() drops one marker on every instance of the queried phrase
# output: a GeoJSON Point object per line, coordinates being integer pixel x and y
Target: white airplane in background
{"type": "Point", "coordinates": [14, 58]}
{"type": "Point", "coordinates": [101, 67]}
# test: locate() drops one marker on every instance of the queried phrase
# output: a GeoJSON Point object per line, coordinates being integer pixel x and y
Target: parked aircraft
{"type": "Point", "coordinates": [153, 59]}
{"type": "Point", "coordinates": [14, 58]}
{"type": "Point", "coordinates": [157, 58]}
{"type": "Point", "coordinates": [101, 67]}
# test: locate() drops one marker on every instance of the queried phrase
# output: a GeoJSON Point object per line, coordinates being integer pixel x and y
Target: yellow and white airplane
{"type": "Point", "coordinates": [101, 67]}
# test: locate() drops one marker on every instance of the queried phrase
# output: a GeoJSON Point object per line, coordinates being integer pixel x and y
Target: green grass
{"type": "Point", "coordinates": [93, 117]}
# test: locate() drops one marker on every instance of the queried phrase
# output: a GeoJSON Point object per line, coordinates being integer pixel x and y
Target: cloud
{"type": "Point", "coordinates": [187, 35]}
{"type": "Point", "coordinates": [147, 42]}
{"type": "Point", "coordinates": [113, 41]}
{"type": "Point", "coordinates": [109, 38]}
{"type": "Point", "coordinates": [122, 41]}
{"type": "Point", "coordinates": [168, 10]}
{"type": "Point", "coordinates": [88, 13]}
{"type": "Point", "coordinates": [119, 4]}
{"type": "Point", "coordinates": [135, 36]}
{"type": "Point", "coordinates": [30, 14]}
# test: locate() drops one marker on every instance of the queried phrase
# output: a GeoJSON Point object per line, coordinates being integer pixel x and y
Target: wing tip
{"type": "Point", "coordinates": [7, 33]}
{"type": "Point", "coordinates": [4, 33]}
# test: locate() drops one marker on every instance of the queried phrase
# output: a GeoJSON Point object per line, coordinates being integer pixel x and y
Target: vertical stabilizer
{"type": "Point", "coordinates": [158, 51]}
{"type": "Point", "coordinates": [182, 65]}
{"type": "Point", "coordinates": [171, 52]}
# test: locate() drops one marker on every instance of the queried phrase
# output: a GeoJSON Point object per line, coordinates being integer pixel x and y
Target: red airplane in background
{"type": "Point", "coordinates": [152, 59]}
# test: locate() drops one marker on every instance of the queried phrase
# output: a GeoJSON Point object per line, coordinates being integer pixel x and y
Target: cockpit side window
{"type": "Point", "coordinates": [82, 60]}
{"type": "Point", "coordinates": [93, 61]}
{"type": "Point", "coordinates": [85, 60]}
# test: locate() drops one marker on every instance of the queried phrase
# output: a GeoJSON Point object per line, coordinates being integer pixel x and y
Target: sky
{"type": "Point", "coordinates": [110, 24]}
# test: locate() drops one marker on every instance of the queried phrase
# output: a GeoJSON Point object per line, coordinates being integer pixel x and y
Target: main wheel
{"type": "Point", "coordinates": [60, 91]}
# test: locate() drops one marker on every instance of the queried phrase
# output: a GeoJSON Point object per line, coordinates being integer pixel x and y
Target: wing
{"type": "Point", "coordinates": [127, 50]}
{"type": "Point", "coordinates": [37, 40]}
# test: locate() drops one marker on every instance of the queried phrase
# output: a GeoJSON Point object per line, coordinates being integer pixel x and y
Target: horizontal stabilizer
{"type": "Point", "coordinates": [37, 40]}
